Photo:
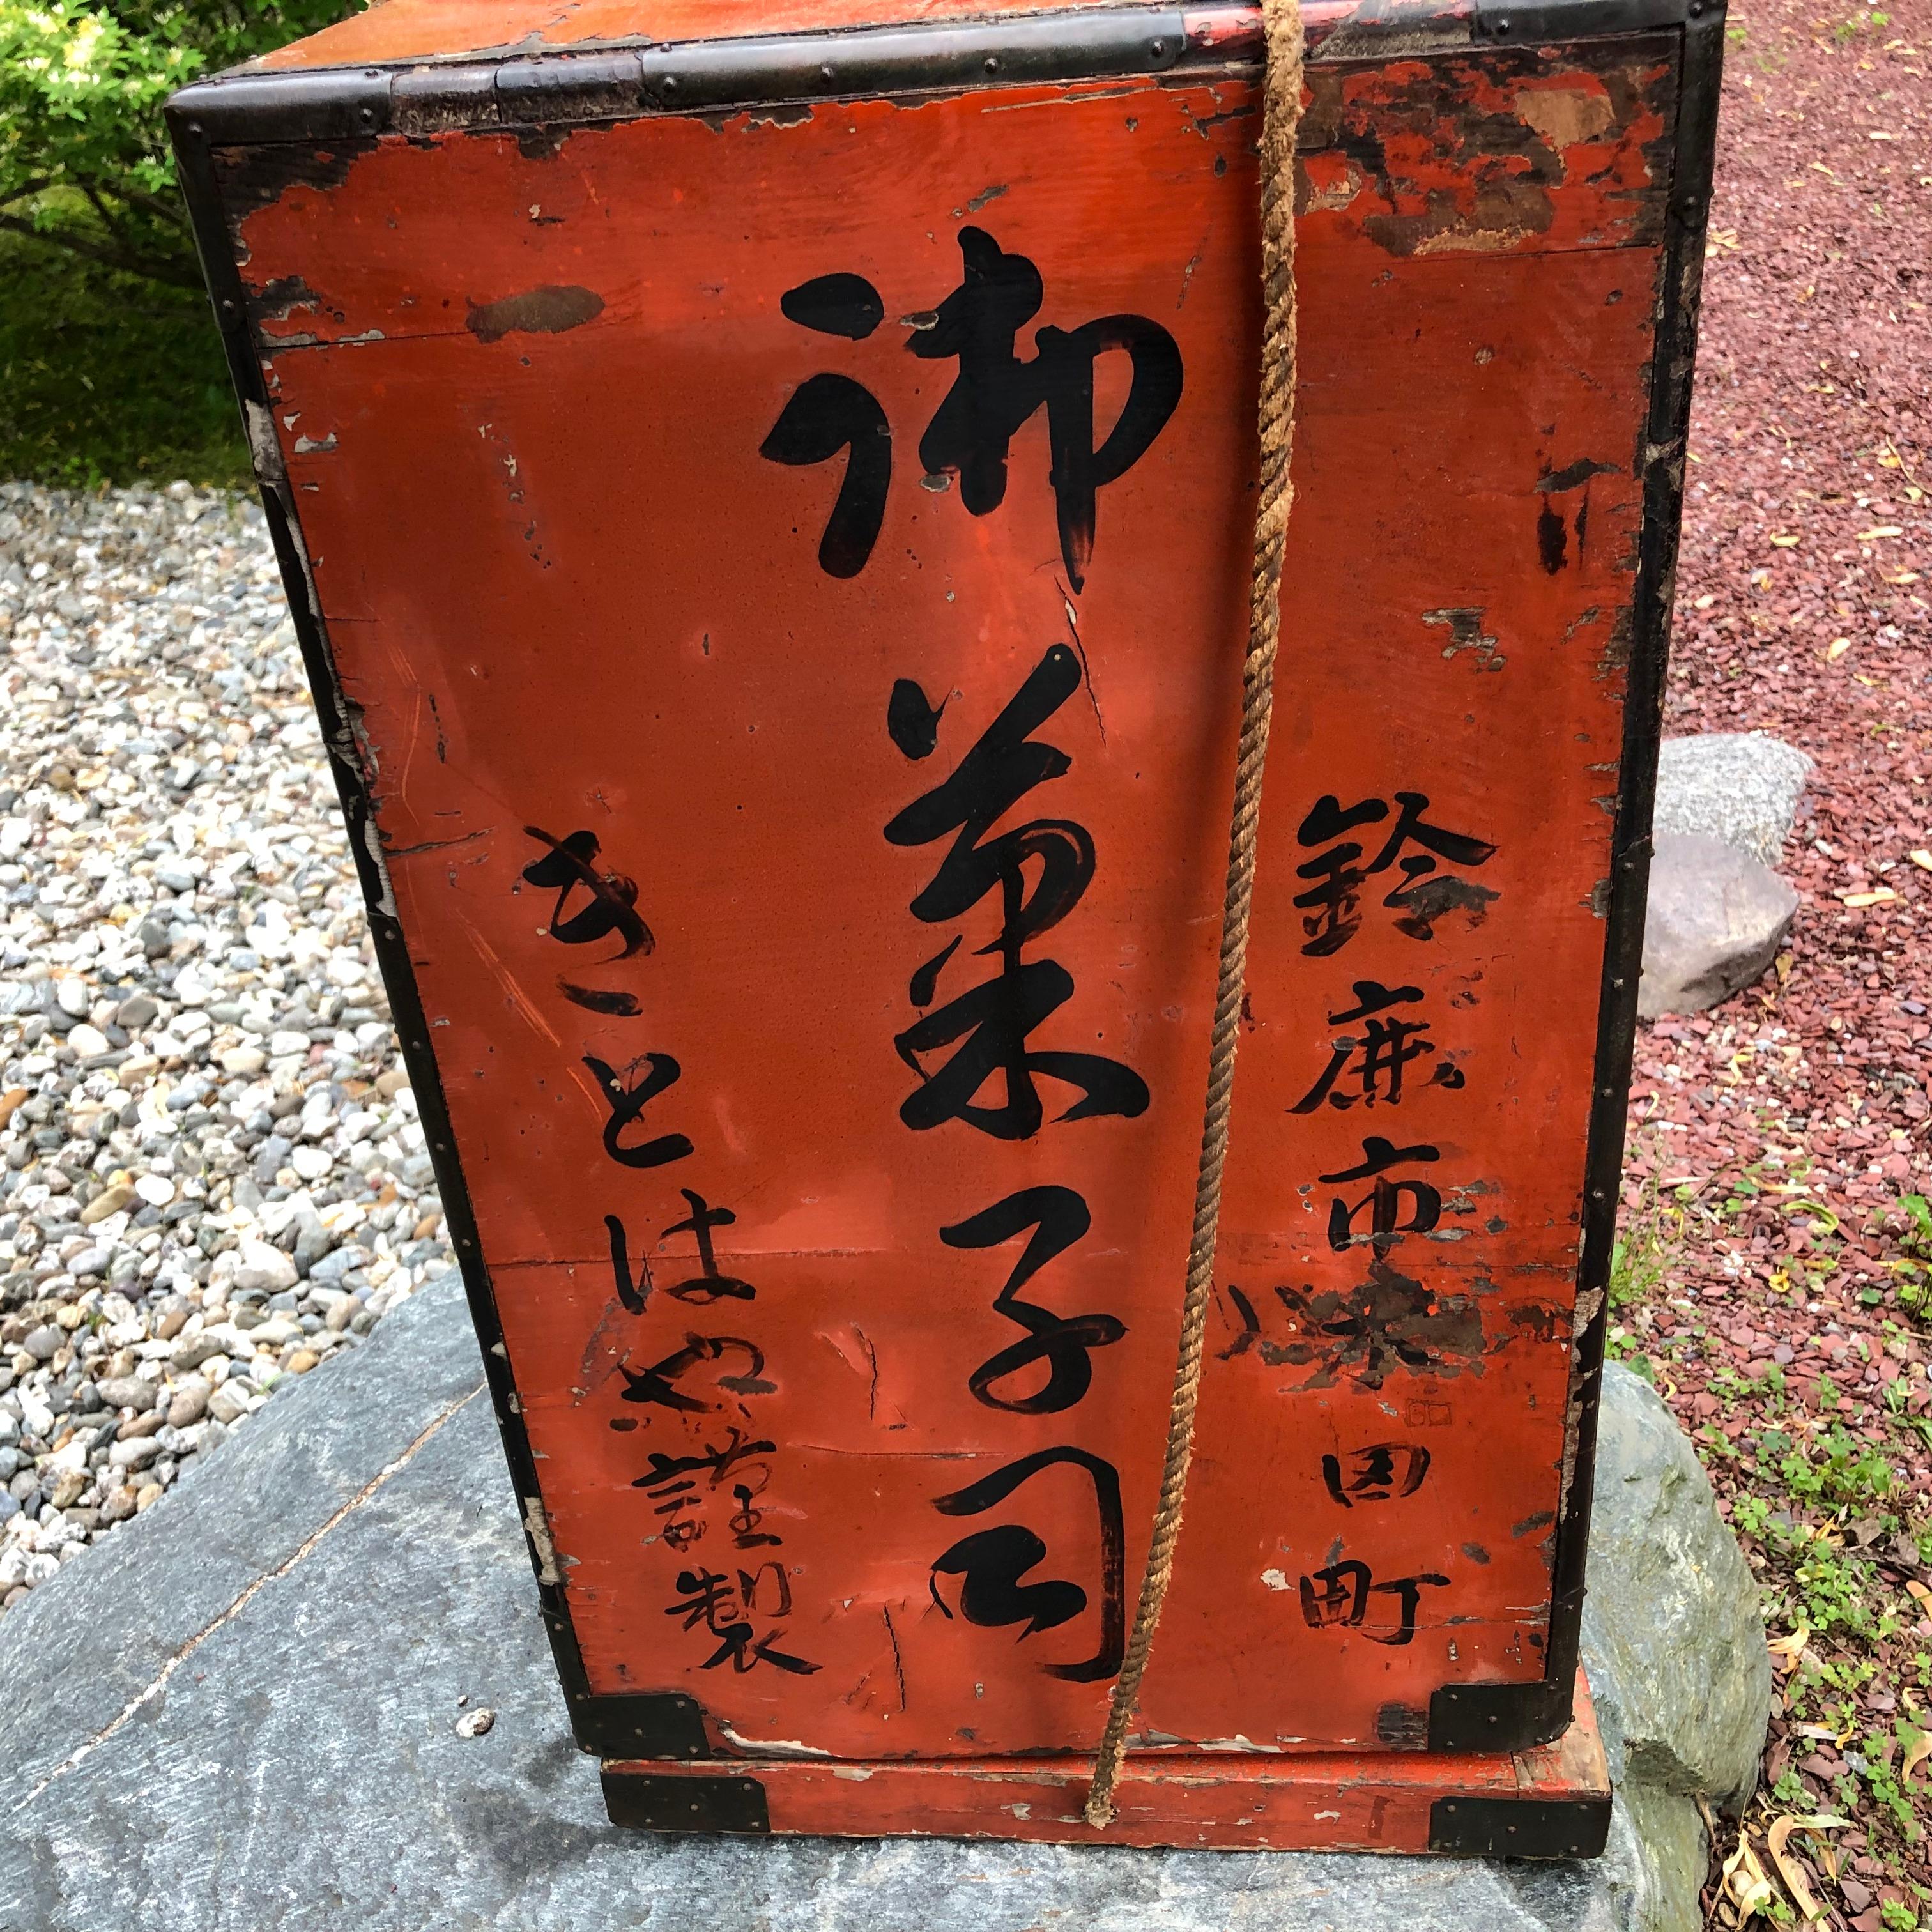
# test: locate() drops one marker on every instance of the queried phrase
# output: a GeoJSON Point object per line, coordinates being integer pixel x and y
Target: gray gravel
{"type": "Point", "coordinates": [212, 1177]}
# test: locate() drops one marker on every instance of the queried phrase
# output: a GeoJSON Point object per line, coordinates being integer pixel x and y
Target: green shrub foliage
{"type": "Point", "coordinates": [84, 159]}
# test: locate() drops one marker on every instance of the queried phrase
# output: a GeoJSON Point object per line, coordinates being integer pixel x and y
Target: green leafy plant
{"type": "Point", "coordinates": [84, 159]}
{"type": "Point", "coordinates": [1913, 1267]}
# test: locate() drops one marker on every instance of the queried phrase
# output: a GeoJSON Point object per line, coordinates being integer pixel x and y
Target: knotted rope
{"type": "Point", "coordinates": [1281, 22]}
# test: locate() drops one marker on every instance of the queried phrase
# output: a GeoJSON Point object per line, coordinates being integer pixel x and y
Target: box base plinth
{"type": "Point", "coordinates": [1551, 1802]}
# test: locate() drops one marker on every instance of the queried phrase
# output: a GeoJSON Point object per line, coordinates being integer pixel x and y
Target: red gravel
{"type": "Point", "coordinates": [1803, 606]}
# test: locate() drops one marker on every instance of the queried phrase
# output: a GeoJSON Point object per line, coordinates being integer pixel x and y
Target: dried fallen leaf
{"type": "Point", "coordinates": [1921, 858]}
{"type": "Point", "coordinates": [1881, 530]}
{"type": "Point", "coordinates": [1880, 896]}
{"type": "Point", "coordinates": [1921, 1750]}
{"type": "Point", "coordinates": [1790, 1648]}
{"type": "Point", "coordinates": [1784, 543]}
{"type": "Point", "coordinates": [1919, 1593]}
{"type": "Point", "coordinates": [1789, 1869]}
{"type": "Point", "coordinates": [1743, 1882]}
{"type": "Point", "coordinates": [1837, 649]}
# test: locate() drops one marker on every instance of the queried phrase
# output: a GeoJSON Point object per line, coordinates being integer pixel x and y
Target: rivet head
{"type": "Point", "coordinates": [1503, 25]}
{"type": "Point", "coordinates": [1158, 49]}
{"type": "Point", "coordinates": [825, 74]}
{"type": "Point", "coordinates": [992, 63]}
{"type": "Point", "coordinates": [669, 85]}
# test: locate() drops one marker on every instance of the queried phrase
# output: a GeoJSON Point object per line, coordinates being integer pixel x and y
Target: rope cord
{"type": "Point", "coordinates": [1281, 21]}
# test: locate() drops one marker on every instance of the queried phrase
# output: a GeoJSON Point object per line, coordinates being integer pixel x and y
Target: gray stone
{"type": "Point", "coordinates": [43, 1343]}
{"type": "Point", "coordinates": [268, 1667]}
{"type": "Point", "coordinates": [190, 1401]}
{"type": "Point", "coordinates": [191, 1350]}
{"type": "Point", "coordinates": [1715, 920]}
{"type": "Point", "coordinates": [228, 1404]}
{"type": "Point", "coordinates": [129, 1392]}
{"type": "Point", "coordinates": [1673, 1610]}
{"type": "Point", "coordinates": [1741, 787]}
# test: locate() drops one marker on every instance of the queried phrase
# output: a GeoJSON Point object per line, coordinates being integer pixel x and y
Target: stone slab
{"type": "Point", "coordinates": [241, 1712]}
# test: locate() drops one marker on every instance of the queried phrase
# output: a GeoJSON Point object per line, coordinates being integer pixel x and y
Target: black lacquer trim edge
{"type": "Point", "coordinates": [1520, 1828]}
{"type": "Point", "coordinates": [703, 1802]}
{"type": "Point", "coordinates": [616, 81]}
{"type": "Point", "coordinates": [335, 715]}
{"type": "Point", "coordinates": [1517, 1717]}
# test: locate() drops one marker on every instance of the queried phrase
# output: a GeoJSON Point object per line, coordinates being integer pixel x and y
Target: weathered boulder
{"type": "Point", "coordinates": [1672, 1612]}
{"type": "Point", "coordinates": [247, 1705]}
{"type": "Point", "coordinates": [1715, 920]}
{"type": "Point", "coordinates": [1741, 787]}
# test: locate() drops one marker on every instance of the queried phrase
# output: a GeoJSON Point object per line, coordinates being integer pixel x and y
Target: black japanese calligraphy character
{"type": "Point", "coordinates": [1377, 1056]}
{"type": "Point", "coordinates": [828, 413]}
{"type": "Point", "coordinates": [745, 1520]}
{"type": "Point", "coordinates": [724, 1609]}
{"type": "Point", "coordinates": [718, 1463]}
{"type": "Point", "coordinates": [912, 719]}
{"type": "Point", "coordinates": [994, 1020]}
{"type": "Point", "coordinates": [1331, 916]}
{"type": "Point", "coordinates": [736, 1645]}
{"type": "Point", "coordinates": [1388, 1322]}
{"type": "Point", "coordinates": [1249, 1332]}
{"type": "Point", "coordinates": [1057, 1217]}
{"type": "Point", "coordinates": [568, 866]}
{"type": "Point", "coordinates": [627, 1104]}
{"type": "Point", "coordinates": [659, 1384]}
{"type": "Point", "coordinates": [1376, 1474]}
{"type": "Point", "coordinates": [708, 1285]}
{"type": "Point", "coordinates": [995, 392]}
{"type": "Point", "coordinates": [1338, 1596]}
{"type": "Point", "coordinates": [991, 1562]}
{"type": "Point", "coordinates": [1385, 1200]}
{"type": "Point", "coordinates": [673, 1500]}
{"type": "Point", "coordinates": [634, 1298]}
{"type": "Point", "coordinates": [847, 305]}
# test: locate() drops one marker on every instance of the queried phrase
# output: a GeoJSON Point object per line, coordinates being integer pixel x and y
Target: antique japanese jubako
{"type": "Point", "coordinates": [767, 493]}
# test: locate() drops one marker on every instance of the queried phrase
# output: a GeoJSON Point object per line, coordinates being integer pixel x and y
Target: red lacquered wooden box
{"type": "Point", "coordinates": [767, 493]}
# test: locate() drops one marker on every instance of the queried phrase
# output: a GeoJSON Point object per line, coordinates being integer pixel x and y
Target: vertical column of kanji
{"type": "Point", "coordinates": [705, 1470]}
{"type": "Point", "coordinates": [1387, 1046]}
{"type": "Point", "coordinates": [986, 1031]}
